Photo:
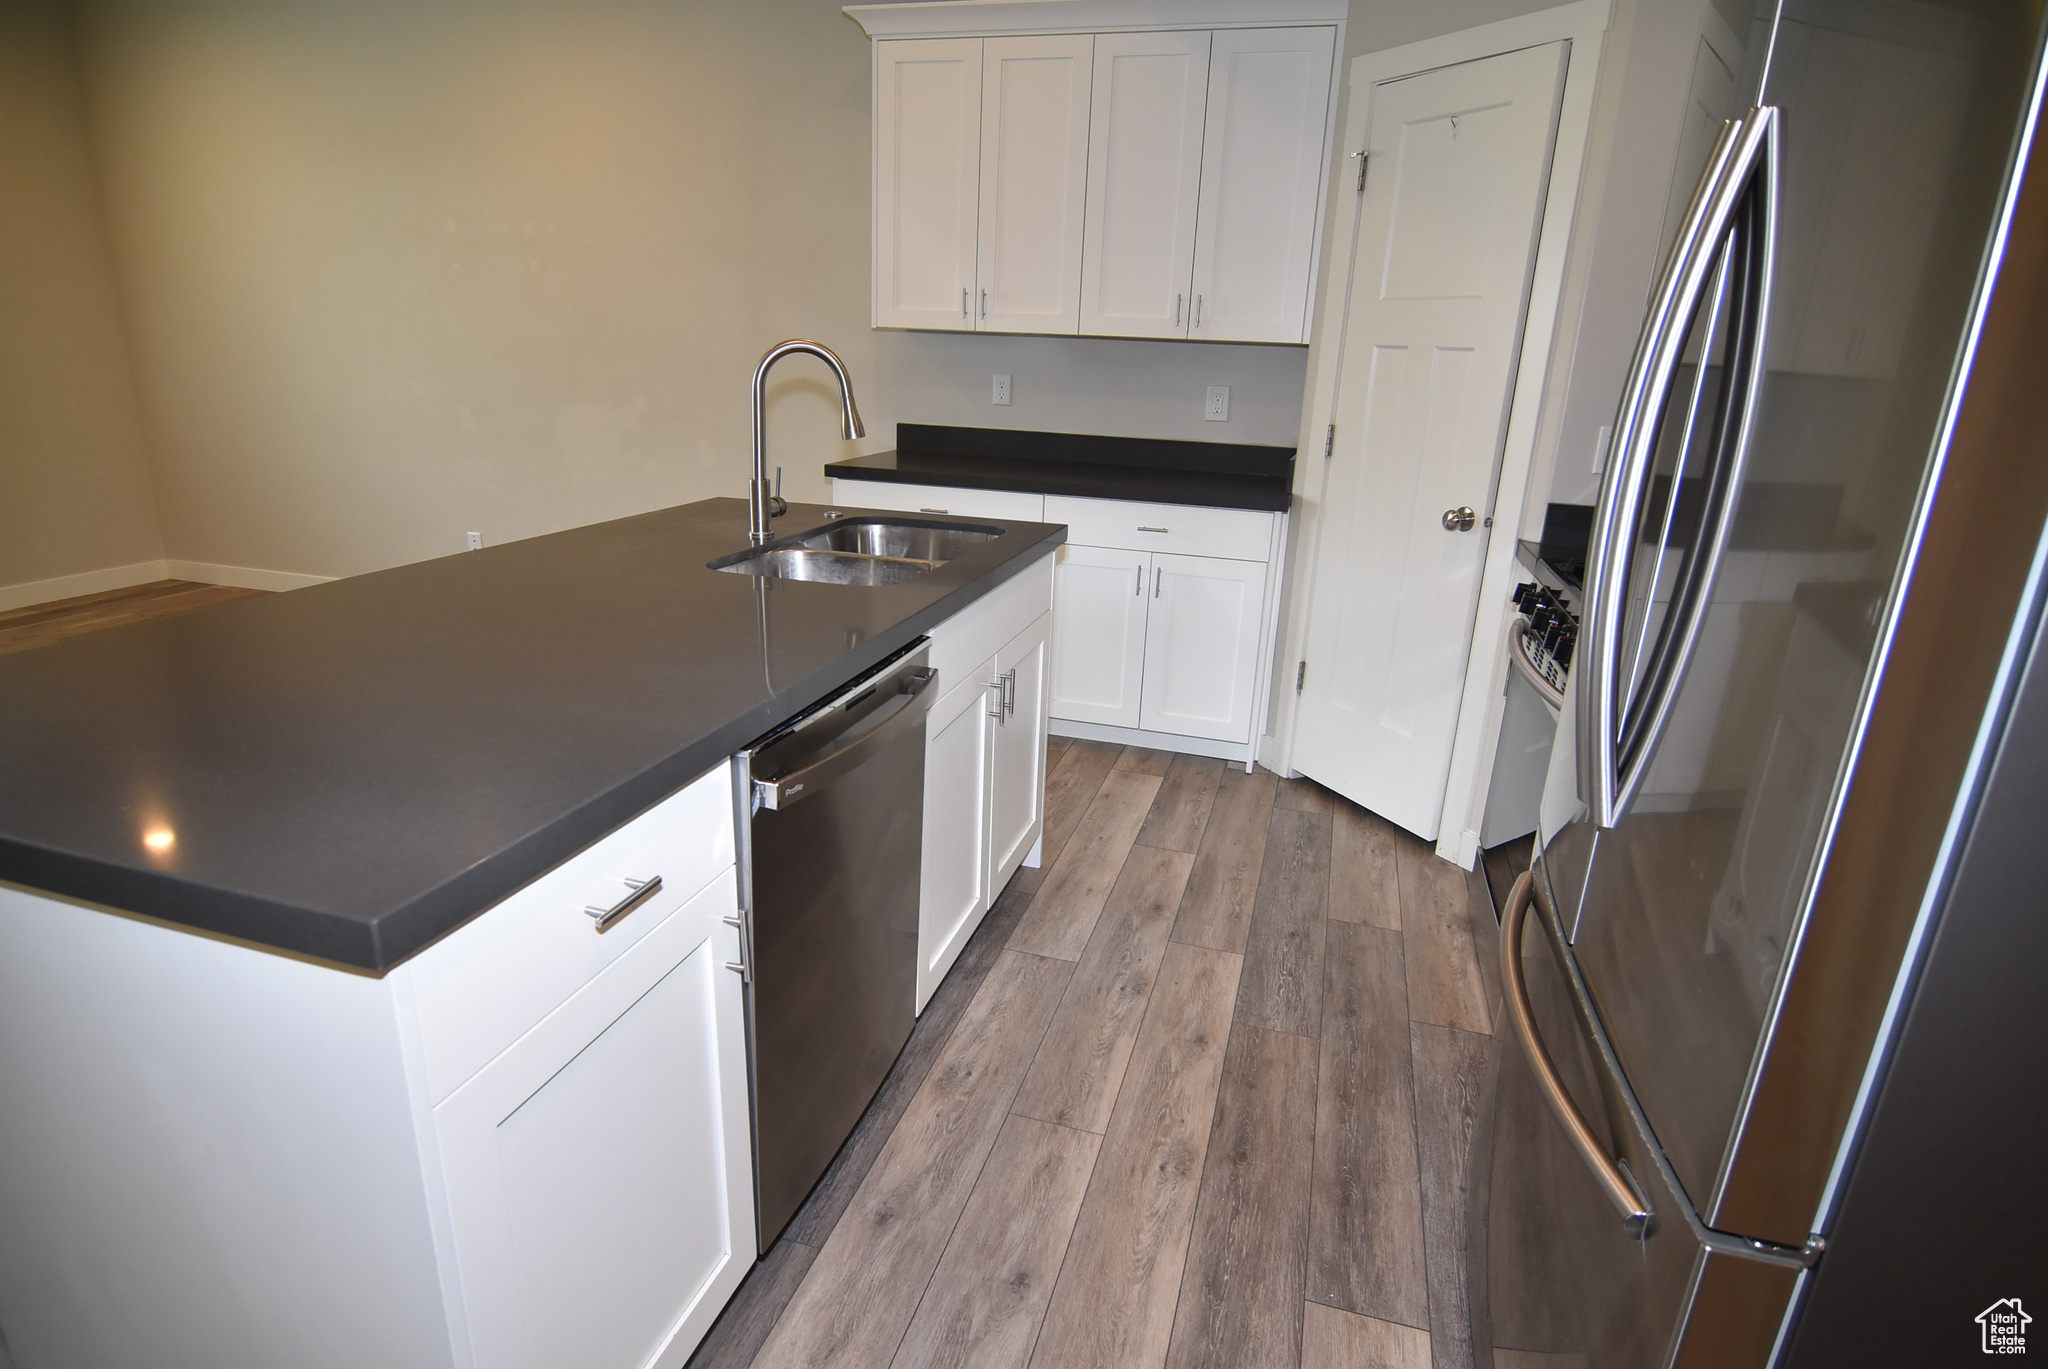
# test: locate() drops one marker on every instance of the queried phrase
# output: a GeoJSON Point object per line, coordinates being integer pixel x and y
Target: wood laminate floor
{"type": "Point", "coordinates": [1197, 1094]}
{"type": "Point", "coordinates": [40, 624]}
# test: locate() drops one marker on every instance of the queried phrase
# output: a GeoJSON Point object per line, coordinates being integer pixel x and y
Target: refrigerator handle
{"type": "Point", "coordinates": [1607, 1172]}
{"type": "Point", "coordinates": [1746, 154]}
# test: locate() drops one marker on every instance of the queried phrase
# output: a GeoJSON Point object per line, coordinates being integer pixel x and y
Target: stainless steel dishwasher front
{"type": "Point", "coordinates": [831, 808]}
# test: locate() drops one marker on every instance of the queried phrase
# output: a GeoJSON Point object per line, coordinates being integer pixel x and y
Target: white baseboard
{"type": "Point", "coordinates": [1157, 741]}
{"type": "Point", "coordinates": [242, 577]}
{"type": "Point", "coordinates": [33, 592]}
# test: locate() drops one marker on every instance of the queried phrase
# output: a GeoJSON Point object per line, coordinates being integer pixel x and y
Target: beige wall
{"type": "Point", "coordinates": [74, 487]}
{"type": "Point", "coordinates": [395, 272]}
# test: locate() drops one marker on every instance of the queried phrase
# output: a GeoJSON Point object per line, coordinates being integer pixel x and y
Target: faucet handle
{"type": "Point", "coordinates": [777, 505]}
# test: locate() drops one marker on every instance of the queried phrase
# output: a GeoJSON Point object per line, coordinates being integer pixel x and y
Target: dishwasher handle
{"type": "Point", "coordinates": [907, 711]}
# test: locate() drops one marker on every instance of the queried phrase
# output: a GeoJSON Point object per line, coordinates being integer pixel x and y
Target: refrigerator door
{"type": "Point", "coordinates": [1738, 679]}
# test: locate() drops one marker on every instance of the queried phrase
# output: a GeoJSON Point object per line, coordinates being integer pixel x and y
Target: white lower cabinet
{"type": "Point", "coordinates": [1202, 646]}
{"type": "Point", "coordinates": [1100, 599]}
{"type": "Point", "coordinates": [984, 768]}
{"type": "Point", "coordinates": [599, 1170]}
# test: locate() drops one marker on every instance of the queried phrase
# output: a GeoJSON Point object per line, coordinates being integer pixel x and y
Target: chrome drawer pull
{"type": "Point", "coordinates": [934, 510]}
{"type": "Point", "coordinates": [1143, 528]}
{"type": "Point", "coordinates": [641, 891]}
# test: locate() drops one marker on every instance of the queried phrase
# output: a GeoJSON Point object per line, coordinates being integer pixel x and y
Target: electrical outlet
{"type": "Point", "coordinates": [1001, 393]}
{"type": "Point", "coordinates": [1216, 407]}
{"type": "Point", "coordinates": [472, 541]}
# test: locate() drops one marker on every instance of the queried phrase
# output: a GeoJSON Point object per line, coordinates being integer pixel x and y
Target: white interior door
{"type": "Point", "coordinates": [1264, 145]}
{"type": "Point", "coordinates": [1034, 178]}
{"type": "Point", "coordinates": [1459, 159]}
{"type": "Point", "coordinates": [1144, 183]}
{"type": "Point", "coordinates": [1099, 598]}
{"type": "Point", "coordinates": [1202, 646]}
{"type": "Point", "coordinates": [927, 177]}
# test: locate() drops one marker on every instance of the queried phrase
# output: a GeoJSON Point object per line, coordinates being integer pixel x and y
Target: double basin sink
{"type": "Point", "coordinates": [860, 551]}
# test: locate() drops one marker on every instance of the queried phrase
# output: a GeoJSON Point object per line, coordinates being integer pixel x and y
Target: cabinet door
{"type": "Point", "coordinates": [600, 1170]}
{"type": "Point", "coordinates": [1099, 599]}
{"type": "Point", "coordinates": [1034, 175]}
{"type": "Point", "coordinates": [1017, 772]}
{"type": "Point", "coordinates": [927, 181]}
{"type": "Point", "coordinates": [953, 895]}
{"type": "Point", "coordinates": [1202, 646]}
{"type": "Point", "coordinates": [1144, 180]}
{"type": "Point", "coordinates": [1264, 145]}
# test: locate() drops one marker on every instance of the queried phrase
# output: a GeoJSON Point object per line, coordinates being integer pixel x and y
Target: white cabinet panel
{"type": "Point", "coordinates": [1034, 177]}
{"type": "Point", "coordinates": [877, 494]}
{"type": "Point", "coordinates": [1144, 181]}
{"type": "Point", "coordinates": [1188, 529]}
{"type": "Point", "coordinates": [928, 101]}
{"type": "Point", "coordinates": [1098, 656]}
{"type": "Point", "coordinates": [1265, 143]}
{"type": "Point", "coordinates": [1017, 781]}
{"type": "Point", "coordinates": [1202, 646]}
{"type": "Point", "coordinates": [599, 1171]}
{"type": "Point", "coordinates": [954, 891]}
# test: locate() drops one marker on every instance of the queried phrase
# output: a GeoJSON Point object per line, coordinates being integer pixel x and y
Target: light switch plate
{"type": "Point", "coordinates": [1001, 392]}
{"type": "Point", "coordinates": [1216, 407]}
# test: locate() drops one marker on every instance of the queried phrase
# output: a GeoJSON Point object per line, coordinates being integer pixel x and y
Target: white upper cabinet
{"type": "Point", "coordinates": [1151, 178]}
{"type": "Point", "coordinates": [1264, 145]}
{"type": "Point", "coordinates": [1144, 183]}
{"type": "Point", "coordinates": [1034, 177]}
{"type": "Point", "coordinates": [927, 181]}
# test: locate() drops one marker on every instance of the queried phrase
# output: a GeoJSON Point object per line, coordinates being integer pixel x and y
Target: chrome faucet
{"type": "Point", "coordinates": [764, 503]}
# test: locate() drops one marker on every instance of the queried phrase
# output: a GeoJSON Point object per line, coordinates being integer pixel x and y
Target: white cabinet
{"type": "Point", "coordinates": [980, 170]}
{"type": "Point", "coordinates": [878, 494]}
{"type": "Point", "coordinates": [984, 778]}
{"type": "Point", "coordinates": [1100, 599]}
{"type": "Point", "coordinates": [1265, 142]}
{"type": "Point", "coordinates": [1205, 175]}
{"type": "Point", "coordinates": [599, 1172]}
{"type": "Point", "coordinates": [1202, 646]}
{"type": "Point", "coordinates": [927, 181]}
{"type": "Point", "coordinates": [1134, 182]}
{"type": "Point", "coordinates": [1144, 183]}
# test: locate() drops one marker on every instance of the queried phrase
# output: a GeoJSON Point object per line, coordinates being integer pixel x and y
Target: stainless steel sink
{"type": "Point", "coordinates": [829, 567]}
{"type": "Point", "coordinates": [861, 551]}
{"type": "Point", "coordinates": [913, 541]}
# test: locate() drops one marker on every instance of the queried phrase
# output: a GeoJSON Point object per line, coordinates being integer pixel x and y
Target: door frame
{"type": "Point", "coordinates": [1583, 23]}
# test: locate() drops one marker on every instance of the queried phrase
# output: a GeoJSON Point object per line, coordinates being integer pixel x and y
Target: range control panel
{"type": "Point", "coordinates": [1549, 636]}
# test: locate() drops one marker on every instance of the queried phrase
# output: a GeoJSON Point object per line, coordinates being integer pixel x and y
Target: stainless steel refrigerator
{"type": "Point", "coordinates": [1791, 639]}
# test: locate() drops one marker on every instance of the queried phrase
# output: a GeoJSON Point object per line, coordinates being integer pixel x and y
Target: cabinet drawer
{"type": "Point", "coordinates": [481, 988]}
{"type": "Point", "coordinates": [965, 641]}
{"type": "Point", "coordinates": [876, 494]}
{"type": "Point", "coordinates": [1184, 529]}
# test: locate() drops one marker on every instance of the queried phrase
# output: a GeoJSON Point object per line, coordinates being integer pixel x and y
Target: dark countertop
{"type": "Point", "coordinates": [354, 769]}
{"type": "Point", "coordinates": [1215, 474]}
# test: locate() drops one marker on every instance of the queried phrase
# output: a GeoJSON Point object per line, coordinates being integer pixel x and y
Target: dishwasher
{"type": "Point", "coordinates": [831, 808]}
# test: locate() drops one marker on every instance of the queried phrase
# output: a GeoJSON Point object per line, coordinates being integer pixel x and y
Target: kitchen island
{"type": "Point", "coordinates": [267, 1069]}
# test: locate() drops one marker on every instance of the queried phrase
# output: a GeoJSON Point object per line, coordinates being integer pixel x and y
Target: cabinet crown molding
{"type": "Point", "coordinates": [958, 18]}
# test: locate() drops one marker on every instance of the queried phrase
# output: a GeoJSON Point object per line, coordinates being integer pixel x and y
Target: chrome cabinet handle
{"type": "Point", "coordinates": [1745, 155]}
{"type": "Point", "coordinates": [1140, 590]}
{"type": "Point", "coordinates": [906, 711]}
{"type": "Point", "coordinates": [963, 302]}
{"type": "Point", "coordinates": [1607, 1173]}
{"type": "Point", "coordinates": [1177, 300]}
{"type": "Point", "coordinates": [996, 709]}
{"type": "Point", "coordinates": [1143, 528]}
{"type": "Point", "coordinates": [984, 304]}
{"type": "Point", "coordinates": [1010, 691]}
{"type": "Point", "coordinates": [1155, 581]}
{"type": "Point", "coordinates": [927, 510]}
{"type": "Point", "coordinates": [1460, 519]}
{"type": "Point", "coordinates": [743, 967]}
{"type": "Point", "coordinates": [638, 892]}
{"type": "Point", "coordinates": [1198, 311]}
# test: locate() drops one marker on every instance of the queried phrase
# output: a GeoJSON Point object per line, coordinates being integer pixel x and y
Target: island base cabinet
{"type": "Point", "coordinates": [597, 1171]}
{"type": "Point", "coordinates": [953, 890]}
{"type": "Point", "coordinates": [1017, 771]}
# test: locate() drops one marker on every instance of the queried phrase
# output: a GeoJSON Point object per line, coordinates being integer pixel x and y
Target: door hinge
{"type": "Point", "coordinates": [1362, 160]}
{"type": "Point", "coordinates": [1329, 441]}
{"type": "Point", "coordinates": [1300, 676]}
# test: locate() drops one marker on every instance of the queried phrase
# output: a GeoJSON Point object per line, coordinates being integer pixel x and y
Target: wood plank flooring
{"type": "Point", "coordinates": [1197, 1094]}
{"type": "Point", "coordinates": [40, 624]}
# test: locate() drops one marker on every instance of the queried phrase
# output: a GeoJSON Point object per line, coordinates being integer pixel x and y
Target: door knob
{"type": "Point", "coordinates": [1459, 519]}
